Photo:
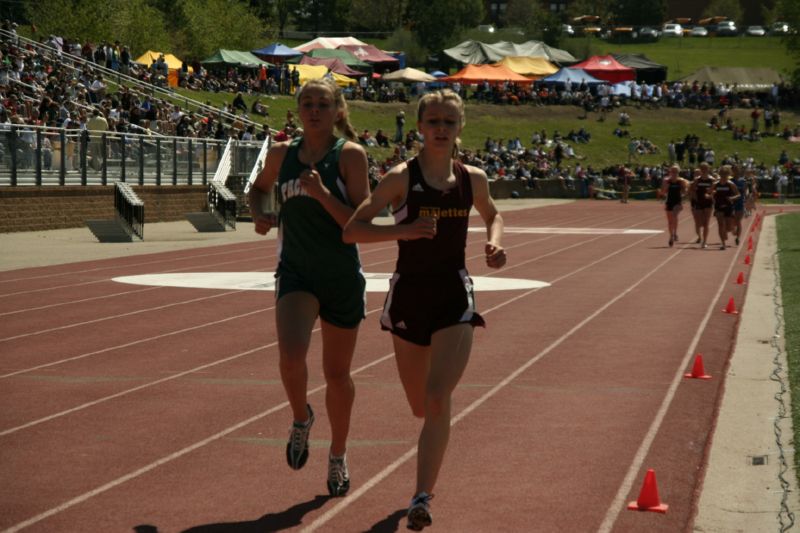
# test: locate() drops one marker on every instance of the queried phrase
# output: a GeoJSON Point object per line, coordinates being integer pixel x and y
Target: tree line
{"type": "Point", "coordinates": [196, 28]}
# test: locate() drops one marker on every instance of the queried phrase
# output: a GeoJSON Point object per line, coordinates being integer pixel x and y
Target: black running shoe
{"type": "Point", "coordinates": [297, 447]}
{"type": "Point", "coordinates": [419, 512]}
{"type": "Point", "coordinates": [338, 476]}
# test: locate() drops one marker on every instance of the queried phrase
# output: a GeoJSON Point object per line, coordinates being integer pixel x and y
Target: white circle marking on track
{"type": "Point", "coordinates": [265, 281]}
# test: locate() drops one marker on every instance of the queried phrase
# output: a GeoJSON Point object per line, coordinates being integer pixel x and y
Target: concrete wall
{"type": "Point", "coordinates": [44, 208]}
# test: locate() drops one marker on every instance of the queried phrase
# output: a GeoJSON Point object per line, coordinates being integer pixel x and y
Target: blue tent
{"type": "Point", "coordinates": [574, 75]}
{"type": "Point", "coordinates": [277, 52]}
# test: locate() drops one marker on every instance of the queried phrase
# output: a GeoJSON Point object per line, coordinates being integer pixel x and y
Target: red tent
{"type": "Point", "coordinates": [606, 68]}
{"type": "Point", "coordinates": [334, 63]}
{"type": "Point", "coordinates": [369, 54]}
{"type": "Point", "coordinates": [494, 74]}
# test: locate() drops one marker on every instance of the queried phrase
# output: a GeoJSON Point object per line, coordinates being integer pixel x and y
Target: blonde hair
{"type": "Point", "coordinates": [725, 171]}
{"type": "Point", "coordinates": [442, 96]}
{"type": "Point", "coordinates": [343, 122]}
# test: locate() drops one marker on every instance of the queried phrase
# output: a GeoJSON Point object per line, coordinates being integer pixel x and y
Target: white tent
{"type": "Point", "coordinates": [408, 75]}
{"type": "Point", "coordinates": [328, 42]}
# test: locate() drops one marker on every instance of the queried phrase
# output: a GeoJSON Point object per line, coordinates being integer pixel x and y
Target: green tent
{"type": "Point", "coordinates": [234, 58]}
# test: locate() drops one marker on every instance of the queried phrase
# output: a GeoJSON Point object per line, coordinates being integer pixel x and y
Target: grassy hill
{"type": "Point", "coordinates": [484, 120]}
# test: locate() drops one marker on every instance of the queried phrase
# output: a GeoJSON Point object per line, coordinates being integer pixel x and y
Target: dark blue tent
{"type": "Point", "coordinates": [575, 75]}
{"type": "Point", "coordinates": [276, 52]}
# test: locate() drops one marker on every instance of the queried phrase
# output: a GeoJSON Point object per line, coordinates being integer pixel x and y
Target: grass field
{"type": "Point", "coordinates": [789, 257]}
{"type": "Point", "coordinates": [681, 56]}
{"type": "Point", "coordinates": [484, 120]}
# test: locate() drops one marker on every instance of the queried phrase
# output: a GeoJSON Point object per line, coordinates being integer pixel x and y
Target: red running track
{"type": "Point", "coordinates": [160, 409]}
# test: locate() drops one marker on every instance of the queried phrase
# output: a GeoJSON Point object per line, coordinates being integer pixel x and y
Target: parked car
{"type": "Point", "coordinates": [672, 30]}
{"type": "Point", "coordinates": [755, 31]}
{"type": "Point", "coordinates": [779, 28]}
{"type": "Point", "coordinates": [699, 31]}
{"type": "Point", "coordinates": [647, 34]}
{"type": "Point", "coordinates": [726, 28]}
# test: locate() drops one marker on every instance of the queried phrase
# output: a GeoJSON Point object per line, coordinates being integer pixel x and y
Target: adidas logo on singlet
{"type": "Point", "coordinates": [400, 325]}
{"type": "Point", "coordinates": [417, 188]}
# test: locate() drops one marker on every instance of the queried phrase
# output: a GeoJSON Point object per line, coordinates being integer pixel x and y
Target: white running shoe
{"type": "Point", "coordinates": [297, 447]}
{"type": "Point", "coordinates": [419, 512]}
{"type": "Point", "coordinates": [338, 475]}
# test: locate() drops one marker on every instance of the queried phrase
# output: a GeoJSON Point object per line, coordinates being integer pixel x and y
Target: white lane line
{"type": "Point", "coordinates": [114, 317]}
{"type": "Point", "coordinates": [131, 265]}
{"type": "Point", "coordinates": [133, 343]}
{"type": "Point", "coordinates": [576, 231]}
{"type": "Point", "coordinates": [638, 460]}
{"type": "Point", "coordinates": [383, 474]}
{"type": "Point", "coordinates": [71, 302]}
{"type": "Point", "coordinates": [132, 475]}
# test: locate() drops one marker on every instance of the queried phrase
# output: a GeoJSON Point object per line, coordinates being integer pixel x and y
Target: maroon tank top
{"type": "Point", "coordinates": [445, 252]}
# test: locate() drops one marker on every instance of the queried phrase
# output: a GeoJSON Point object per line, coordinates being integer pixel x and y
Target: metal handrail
{"type": "Point", "coordinates": [258, 165]}
{"type": "Point", "coordinates": [224, 166]}
{"type": "Point", "coordinates": [111, 74]}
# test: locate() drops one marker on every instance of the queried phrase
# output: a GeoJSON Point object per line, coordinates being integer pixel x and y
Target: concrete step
{"type": "Point", "coordinates": [205, 222]}
{"type": "Point", "coordinates": [113, 230]}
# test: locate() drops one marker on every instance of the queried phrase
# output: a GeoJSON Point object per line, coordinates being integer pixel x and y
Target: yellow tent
{"type": "Point", "coordinates": [147, 59]}
{"type": "Point", "coordinates": [529, 66]}
{"type": "Point", "coordinates": [312, 72]}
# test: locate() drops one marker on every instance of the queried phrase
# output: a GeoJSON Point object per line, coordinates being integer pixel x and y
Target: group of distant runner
{"type": "Point", "coordinates": [729, 194]}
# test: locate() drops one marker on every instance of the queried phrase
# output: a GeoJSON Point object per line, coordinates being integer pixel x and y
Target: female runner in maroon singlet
{"type": "Point", "coordinates": [430, 307]}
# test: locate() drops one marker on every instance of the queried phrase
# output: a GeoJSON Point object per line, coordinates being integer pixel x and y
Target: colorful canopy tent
{"type": "Point", "coordinates": [328, 42]}
{"type": "Point", "coordinates": [313, 72]}
{"type": "Point", "coordinates": [409, 75]}
{"type": "Point", "coordinates": [276, 53]}
{"type": "Point", "coordinates": [535, 67]}
{"type": "Point", "coordinates": [571, 75]}
{"type": "Point", "coordinates": [476, 53]}
{"type": "Point", "coordinates": [606, 68]}
{"type": "Point", "coordinates": [494, 74]}
{"type": "Point", "coordinates": [369, 54]}
{"type": "Point", "coordinates": [150, 57]}
{"type": "Point", "coordinates": [234, 58]}
{"type": "Point", "coordinates": [333, 63]}
{"type": "Point", "coordinates": [346, 57]}
{"type": "Point", "coordinates": [745, 78]}
{"type": "Point", "coordinates": [646, 71]}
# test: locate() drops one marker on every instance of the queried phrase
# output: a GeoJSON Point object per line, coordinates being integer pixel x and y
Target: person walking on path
{"type": "Point", "coordinates": [430, 308]}
{"type": "Point", "coordinates": [673, 189]}
{"type": "Point", "coordinates": [320, 179]}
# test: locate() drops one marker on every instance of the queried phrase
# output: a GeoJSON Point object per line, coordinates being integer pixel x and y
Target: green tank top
{"type": "Point", "coordinates": [310, 240]}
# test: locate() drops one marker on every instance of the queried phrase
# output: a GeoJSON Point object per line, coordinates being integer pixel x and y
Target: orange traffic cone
{"type": "Point", "coordinates": [747, 259]}
{"type": "Point", "coordinates": [698, 371]}
{"type": "Point", "coordinates": [740, 279]}
{"type": "Point", "coordinates": [731, 307]}
{"type": "Point", "coordinates": [648, 497]}
{"type": "Point", "coordinates": [750, 243]}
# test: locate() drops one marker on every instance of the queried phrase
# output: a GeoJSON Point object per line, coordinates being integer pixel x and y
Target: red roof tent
{"type": "Point", "coordinates": [606, 68]}
{"type": "Point", "coordinates": [334, 63]}
{"type": "Point", "coordinates": [494, 74]}
{"type": "Point", "coordinates": [369, 54]}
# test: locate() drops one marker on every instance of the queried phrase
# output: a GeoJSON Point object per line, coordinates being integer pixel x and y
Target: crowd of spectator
{"type": "Point", "coordinates": [41, 89]}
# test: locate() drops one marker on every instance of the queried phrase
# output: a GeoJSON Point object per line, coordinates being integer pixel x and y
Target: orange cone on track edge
{"type": "Point", "coordinates": [731, 307]}
{"type": "Point", "coordinates": [648, 497]}
{"type": "Point", "coordinates": [740, 279]}
{"type": "Point", "coordinates": [750, 243]}
{"type": "Point", "coordinates": [747, 259]}
{"type": "Point", "coordinates": [698, 371]}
